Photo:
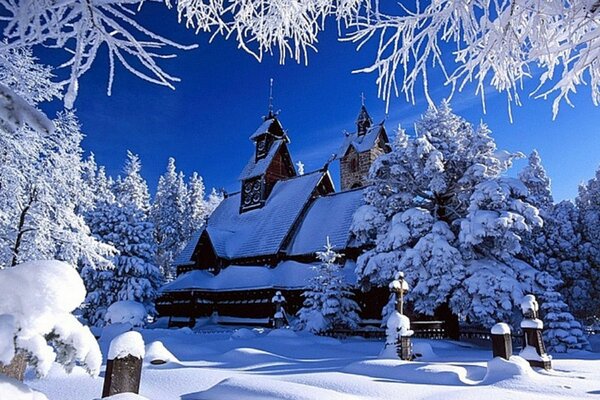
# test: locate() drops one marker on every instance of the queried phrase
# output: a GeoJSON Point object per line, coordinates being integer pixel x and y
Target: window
{"type": "Point", "coordinates": [353, 165]}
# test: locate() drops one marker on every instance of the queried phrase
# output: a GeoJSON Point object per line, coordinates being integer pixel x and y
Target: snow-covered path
{"type": "Point", "coordinates": [283, 365]}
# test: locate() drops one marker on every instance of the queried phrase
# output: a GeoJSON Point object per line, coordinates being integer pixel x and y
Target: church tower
{"type": "Point", "coordinates": [360, 149]}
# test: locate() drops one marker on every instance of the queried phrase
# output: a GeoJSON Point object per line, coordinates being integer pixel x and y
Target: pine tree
{"type": "Point", "coordinates": [441, 210]}
{"type": "Point", "coordinates": [169, 216]}
{"type": "Point", "coordinates": [133, 189]}
{"type": "Point", "coordinates": [214, 199]}
{"type": "Point", "coordinates": [537, 182]}
{"type": "Point", "coordinates": [198, 208]}
{"type": "Point", "coordinates": [328, 302]}
{"type": "Point", "coordinates": [561, 331]}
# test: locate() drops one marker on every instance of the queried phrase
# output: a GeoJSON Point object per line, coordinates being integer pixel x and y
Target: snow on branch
{"type": "Point", "coordinates": [81, 27]}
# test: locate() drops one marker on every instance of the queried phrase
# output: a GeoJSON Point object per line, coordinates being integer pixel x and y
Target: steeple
{"type": "Point", "coordinates": [363, 121]}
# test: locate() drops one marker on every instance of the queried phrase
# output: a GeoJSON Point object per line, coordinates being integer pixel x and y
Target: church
{"type": "Point", "coordinates": [264, 238]}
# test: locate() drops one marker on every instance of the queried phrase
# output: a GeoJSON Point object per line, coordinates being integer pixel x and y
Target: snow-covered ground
{"type": "Point", "coordinates": [256, 364]}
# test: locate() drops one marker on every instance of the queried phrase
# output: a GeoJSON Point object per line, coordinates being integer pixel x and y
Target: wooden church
{"type": "Point", "coordinates": [264, 238]}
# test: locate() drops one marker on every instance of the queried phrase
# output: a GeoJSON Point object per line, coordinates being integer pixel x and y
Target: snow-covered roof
{"type": "Point", "coordinates": [263, 128]}
{"type": "Point", "coordinates": [286, 275]}
{"type": "Point", "coordinates": [260, 231]}
{"type": "Point", "coordinates": [328, 216]}
{"type": "Point", "coordinates": [361, 143]}
{"type": "Point", "coordinates": [185, 257]}
{"type": "Point", "coordinates": [255, 168]}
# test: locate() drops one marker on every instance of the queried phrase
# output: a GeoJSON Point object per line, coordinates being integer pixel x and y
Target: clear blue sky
{"type": "Point", "coordinates": [205, 123]}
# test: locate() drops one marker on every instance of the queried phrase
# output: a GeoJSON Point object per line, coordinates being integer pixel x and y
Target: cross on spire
{"type": "Point", "coordinates": [362, 98]}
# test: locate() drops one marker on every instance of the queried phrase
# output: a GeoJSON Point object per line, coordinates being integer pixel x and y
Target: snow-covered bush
{"type": "Point", "coordinates": [441, 210]}
{"type": "Point", "coordinates": [36, 301]}
{"type": "Point", "coordinates": [562, 332]}
{"type": "Point", "coordinates": [126, 312]}
{"type": "Point", "coordinates": [328, 302]}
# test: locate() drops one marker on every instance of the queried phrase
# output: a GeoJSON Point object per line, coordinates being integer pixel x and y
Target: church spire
{"type": "Point", "coordinates": [363, 121]}
{"type": "Point", "coordinates": [271, 113]}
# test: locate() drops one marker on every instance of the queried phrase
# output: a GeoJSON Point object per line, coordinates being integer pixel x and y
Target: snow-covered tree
{"type": "Point", "coordinates": [169, 214]}
{"type": "Point", "coordinates": [214, 199]}
{"type": "Point", "coordinates": [537, 182]}
{"type": "Point", "coordinates": [441, 210]}
{"type": "Point", "coordinates": [561, 331]}
{"type": "Point", "coordinates": [132, 189]}
{"type": "Point", "coordinates": [328, 301]}
{"type": "Point", "coordinates": [198, 207]}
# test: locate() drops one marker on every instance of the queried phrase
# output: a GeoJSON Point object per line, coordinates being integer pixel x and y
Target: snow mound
{"type": "Point", "coordinates": [249, 388]}
{"type": "Point", "coordinates": [126, 311]}
{"type": "Point", "coordinates": [157, 353]}
{"type": "Point", "coordinates": [243, 333]}
{"type": "Point", "coordinates": [423, 351]}
{"type": "Point", "coordinates": [246, 355]}
{"type": "Point", "coordinates": [125, 396]}
{"type": "Point", "coordinates": [36, 300]}
{"type": "Point", "coordinates": [283, 333]}
{"type": "Point", "coordinates": [500, 369]}
{"type": "Point", "coordinates": [12, 389]}
{"type": "Point", "coordinates": [128, 343]}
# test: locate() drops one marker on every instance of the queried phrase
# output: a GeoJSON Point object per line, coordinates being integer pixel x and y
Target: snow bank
{"type": "Point", "coordinates": [501, 329]}
{"type": "Point", "coordinates": [156, 352]}
{"type": "Point", "coordinates": [283, 333]}
{"type": "Point", "coordinates": [36, 300]}
{"type": "Point", "coordinates": [125, 396]}
{"type": "Point", "coordinates": [126, 311]}
{"type": "Point", "coordinates": [128, 343]}
{"type": "Point", "coordinates": [250, 388]}
{"type": "Point", "coordinates": [500, 369]}
{"type": "Point", "coordinates": [12, 389]}
{"type": "Point", "coordinates": [243, 333]}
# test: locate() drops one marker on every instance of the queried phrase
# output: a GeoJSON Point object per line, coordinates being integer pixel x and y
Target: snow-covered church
{"type": "Point", "coordinates": [263, 239]}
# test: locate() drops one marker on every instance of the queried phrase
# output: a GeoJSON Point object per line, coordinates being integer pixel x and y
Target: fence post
{"type": "Point", "coordinates": [502, 341]}
{"type": "Point", "coordinates": [124, 365]}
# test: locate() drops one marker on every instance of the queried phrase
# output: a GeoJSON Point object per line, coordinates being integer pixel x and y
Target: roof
{"type": "Point", "coordinates": [185, 257]}
{"type": "Point", "coordinates": [286, 275]}
{"type": "Point", "coordinates": [361, 143]}
{"type": "Point", "coordinates": [260, 231]}
{"type": "Point", "coordinates": [328, 216]}
{"type": "Point", "coordinates": [255, 168]}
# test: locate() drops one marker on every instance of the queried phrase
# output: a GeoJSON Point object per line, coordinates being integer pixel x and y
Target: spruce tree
{"type": "Point", "coordinates": [561, 331]}
{"type": "Point", "coordinates": [328, 302]}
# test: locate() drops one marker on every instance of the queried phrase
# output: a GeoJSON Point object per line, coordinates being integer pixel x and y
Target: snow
{"type": "Point", "coordinates": [286, 275]}
{"type": "Point", "coordinates": [125, 396]}
{"type": "Point", "coordinates": [256, 167]}
{"type": "Point", "coordinates": [532, 323]}
{"type": "Point", "coordinates": [127, 344]}
{"type": "Point", "coordinates": [12, 389]}
{"type": "Point", "coordinates": [530, 353]}
{"type": "Point", "coordinates": [271, 363]}
{"type": "Point", "coordinates": [501, 329]}
{"type": "Point", "coordinates": [529, 303]}
{"type": "Point", "coordinates": [126, 311]}
{"type": "Point", "coordinates": [157, 353]}
{"type": "Point", "coordinates": [361, 143]}
{"type": "Point", "coordinates": [328, 216]}
{"type": "Point", "coordinates": [36, 300]}
{"type": "Point", "coordinates": [261, 231]}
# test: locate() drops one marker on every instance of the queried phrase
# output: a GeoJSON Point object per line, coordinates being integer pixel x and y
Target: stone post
{"type": "Point", "coordinates": [501, 341]}
{"type": "Point", "coordinates": [124, 365]}
{"type": "Point", "coordinates": [534, 350]}
{"type": "Point", "coordinates": [278, 317]}
{"type": "Point", "coordinates": [16, 368]}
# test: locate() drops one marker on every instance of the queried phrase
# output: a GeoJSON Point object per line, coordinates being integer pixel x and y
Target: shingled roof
{"type": "Point", "coordinates": [361, 143]}
{"type": "Point", "coordinates": [255, 168]}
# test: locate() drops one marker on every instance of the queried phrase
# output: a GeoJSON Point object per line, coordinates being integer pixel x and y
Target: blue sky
{"type": "Point", "coordinates": [205, 123]}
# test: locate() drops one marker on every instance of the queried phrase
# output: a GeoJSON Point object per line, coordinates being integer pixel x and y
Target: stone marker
{"type": "Point", "coordinates": [501, 341]}
{"type": "Point", "coordinates": [534, 350]}
{"type": "Point", "coordinates": [16, 368]}
{"type": "Point", "coordinates": [124, 365]}
{"type": "Point", "coordinates": [398, 324]}
{"type": "Point", "coordinates": [278, 317]}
